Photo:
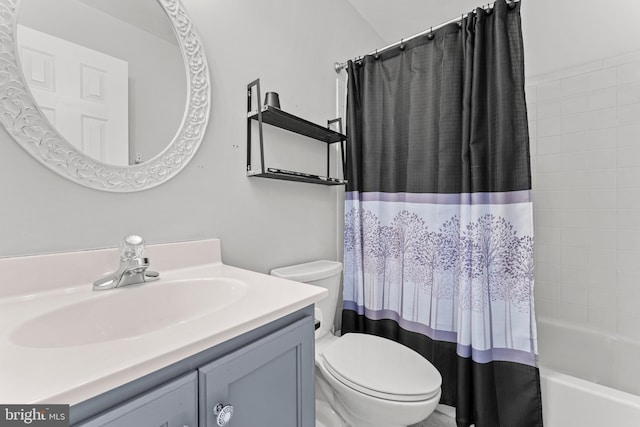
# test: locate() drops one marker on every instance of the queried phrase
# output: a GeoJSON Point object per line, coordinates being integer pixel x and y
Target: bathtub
{"type": "Point", "coordinates": [588, 378]}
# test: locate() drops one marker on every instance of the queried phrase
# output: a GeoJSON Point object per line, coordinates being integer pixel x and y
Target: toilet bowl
{"type": "Point", "coordinates": [365, 380]}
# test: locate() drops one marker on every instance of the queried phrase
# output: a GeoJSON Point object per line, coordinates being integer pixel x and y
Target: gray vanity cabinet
{"type": "Point", "coordinates": [266, 375]}
{"type": "Point", "coordinates": [264, 382]}
{"type": "Point", "coordinates": [174, 404]}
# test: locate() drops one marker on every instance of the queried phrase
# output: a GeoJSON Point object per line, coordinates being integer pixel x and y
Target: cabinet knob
{"type": "Point", "coordinates": [223, 413]}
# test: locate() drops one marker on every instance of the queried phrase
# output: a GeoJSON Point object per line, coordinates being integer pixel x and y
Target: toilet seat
{"type": "Point", "coordinates": [381, 368]}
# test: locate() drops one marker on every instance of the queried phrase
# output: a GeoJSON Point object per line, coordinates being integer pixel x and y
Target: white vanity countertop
{"type": "Point", "coordinates": [33, 286]}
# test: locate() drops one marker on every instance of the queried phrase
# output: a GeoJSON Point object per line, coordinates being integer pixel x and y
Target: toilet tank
{"type": "Point", "coordinates": [319, 273]}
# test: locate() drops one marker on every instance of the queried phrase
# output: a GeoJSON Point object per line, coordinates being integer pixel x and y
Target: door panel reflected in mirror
{"type": "Point", "coordinates": [112, 81]}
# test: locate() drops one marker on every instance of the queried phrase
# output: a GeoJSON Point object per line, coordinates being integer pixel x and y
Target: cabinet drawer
{"type": "Point", "coordinates": [269, 383]}
{"type": "Point", "coordinates": [173, 404]}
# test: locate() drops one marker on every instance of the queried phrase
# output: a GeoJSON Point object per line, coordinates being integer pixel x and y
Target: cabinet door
{"type": "Point", "coordinates": [171, 405]}
{"type": "Point", "coordinates": [269, 383]}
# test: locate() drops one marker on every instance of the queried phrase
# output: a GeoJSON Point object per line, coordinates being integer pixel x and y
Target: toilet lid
{"type": "Point", "coordinates": [382, 368]}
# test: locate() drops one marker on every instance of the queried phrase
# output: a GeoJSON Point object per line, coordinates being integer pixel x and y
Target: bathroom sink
{"type": "Point", "coordinates": [128, 312]}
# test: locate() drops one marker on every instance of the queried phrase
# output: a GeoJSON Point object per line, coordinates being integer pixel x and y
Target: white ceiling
{"type": "Point", "coordinates": [397, 19]}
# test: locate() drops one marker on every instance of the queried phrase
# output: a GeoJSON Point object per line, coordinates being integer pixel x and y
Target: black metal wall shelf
{"type": "Point", "coordinates": [297, 176]}
{"type": "Point", "coordinates": [276, 117]}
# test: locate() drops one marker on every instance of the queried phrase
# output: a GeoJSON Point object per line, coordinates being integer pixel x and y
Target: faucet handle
{"type": "Point", "coordinates": [131, 248]}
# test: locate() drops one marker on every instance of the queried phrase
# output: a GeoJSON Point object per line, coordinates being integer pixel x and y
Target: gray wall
{"type": "Point", "coordinates": [291, 46]}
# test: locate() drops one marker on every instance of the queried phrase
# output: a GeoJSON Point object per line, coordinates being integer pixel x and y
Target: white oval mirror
{"type": "Point", "coordinates": [100, 94]}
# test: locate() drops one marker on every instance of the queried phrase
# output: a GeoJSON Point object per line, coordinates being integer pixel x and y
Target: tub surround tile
{"type": "Point", "coordinates": [602, 179]}
{"type": "Point", "coordinates": [576, 313]}
{"type": "Point", "coordinates": [628, 178]}
{"type": "Point", "coordinates": [587, 193]}
{"type": "Point", "coordinates": [628, 73]}
{"type": "Point", "coordinates": [548, 109]}
{"type": "Point", "coordinates": [574, 200]}
{"type": "Point", "coordinates": [574, 180]}
{"type": "Point", "coordinates": [548, 308]}
{"type": "Point", "coordinates": [547, 254]}
{"type": "Point", "coordinates": [549, 145]}
{"type": "Point", "coordinates": [602, 277]}
{"type": "Point", "coordinates": [602, 198]}
{"type": "Point", "coordinates": [602, 159]}
{"type": "Point", "coordinates": [602, 139]}
{"type": "Point", "coordinates": [621, 60]}
{"type": "Point", "coordinates": [576, 161]}
{"type": "Point", "coordinates": [628, 219]}
{"type": "Point", "coordinates": [575, 104]}
{"type": "Point", "coordinates": [598, 258]}
{"type": "Point", "coordinates": [546, 290]}
{"type": "Point", "coordinates": [573, 123]}
{"type": "Point", "coordinates": [630, 301]}
{"type": "Point", "coordinates": [574, 218]}
{"type": "Point", "coordinates": [549, 90]}
{"type": "Point", "coordinates": [548, 236]}
{"type": "Point", "coordinates": [628, 325]}
{"type": "Point", "coordinates": [574, 85]}
{"type": "Point", "coordinates": [602, 238]}
{"type": "Point", "coordinates": [628, 115]}
{"type": "Point", "coordinates": [549, 126]}
{"type": "Point", "coordinates": [574, 276]}
{"type": "Point", "coordinates": [628, 240]}
{"type": "Point", "coordinates": [548, 181]}
{"type": "Point", "coordinates": [575, 237]}
{"type": "Point", "coordinates": [628, 94]}
{"type": "Point", "coordinates": [628, 135]}
{"type": "Point", "coordinates": [603, 298]}
{"type": "Point", "coordinates": [603, 318]}
{"type": "Point", "coordinates": [628, 261]}
{"type": "Point", "coordinates": [628, 279]}
{"type": "Point", "coordinates": [628, 198]}
{"type": "Point", "coordinates": [602, 79]}
{"type": "Point", "coordinates": [574, 142]}
{"type": "Point", "coordinates": [604, 118]}
{"type": "Point", "coordinates": [549, 273]}
{"type": "Point", "coordinates": [574, 256]}
{"type": "Point", "coordinates": [605, 98]}
{"type": "Point", "coordinates": [602, 219]}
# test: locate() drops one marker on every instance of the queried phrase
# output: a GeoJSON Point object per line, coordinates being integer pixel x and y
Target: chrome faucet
{"type": "Point", "coordinates": [133, 266]}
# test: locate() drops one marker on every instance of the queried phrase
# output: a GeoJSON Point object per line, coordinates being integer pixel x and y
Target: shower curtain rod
{"type": "Point", "coordinates": [339, 66]}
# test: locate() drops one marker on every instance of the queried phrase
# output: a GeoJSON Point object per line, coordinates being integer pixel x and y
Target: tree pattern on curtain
{"type": "Point", "coordinates": [434, 274]}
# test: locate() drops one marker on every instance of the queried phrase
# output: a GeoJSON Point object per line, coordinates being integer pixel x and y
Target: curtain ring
{"type": "Point", "coordinates": [402, 44]}
{"type": "Point", "coordinates": [511, 5]}
{"type": "Point", "coordinates": [376, 56]}
{"type": "Point", "coordinates": [430, 36]}
{"type": "Point", "coordinates": [460, 21]}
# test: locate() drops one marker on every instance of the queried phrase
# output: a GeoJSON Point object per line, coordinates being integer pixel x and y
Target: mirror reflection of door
{"type": "Point", "coordinates": [83, 93]}
{"type": "Point", "coordinates": [138, 32]}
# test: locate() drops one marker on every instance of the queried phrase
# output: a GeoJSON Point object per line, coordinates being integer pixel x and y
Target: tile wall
{"type": "Point", "coordinates": [585, 151]}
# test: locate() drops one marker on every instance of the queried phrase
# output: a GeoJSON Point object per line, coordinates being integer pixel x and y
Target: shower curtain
{"type": "Point", "coordinates": [438, 244]}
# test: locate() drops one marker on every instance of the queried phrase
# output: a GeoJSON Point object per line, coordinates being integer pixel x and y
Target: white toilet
{"type": "Point", "coordinates": [363, 380]}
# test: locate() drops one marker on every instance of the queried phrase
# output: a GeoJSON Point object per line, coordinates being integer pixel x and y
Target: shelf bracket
{"type": "Point", "coordinates": [343, 152]}
{"type": "Point", "coordinates": [250, 86]}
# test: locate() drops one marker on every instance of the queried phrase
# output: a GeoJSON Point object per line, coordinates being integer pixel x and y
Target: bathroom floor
{"type": "Point", "coordinates": [437, 419]}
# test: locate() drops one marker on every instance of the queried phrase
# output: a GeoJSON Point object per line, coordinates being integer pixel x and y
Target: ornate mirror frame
{"type": "Point", "coordinates": [22, 118]}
